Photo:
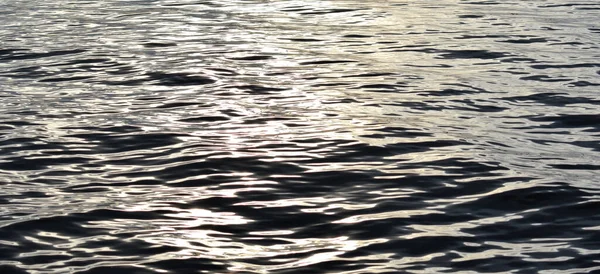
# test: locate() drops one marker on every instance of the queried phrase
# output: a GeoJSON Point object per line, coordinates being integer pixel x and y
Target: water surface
{"type": "Point", "coordinates": [299, 136]}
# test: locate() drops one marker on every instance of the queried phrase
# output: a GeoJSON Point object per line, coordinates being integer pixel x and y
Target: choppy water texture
{"type": "Point", "coordinates": [258, 136]}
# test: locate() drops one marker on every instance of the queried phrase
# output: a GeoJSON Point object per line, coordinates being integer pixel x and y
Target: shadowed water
{"type": "Point", "coordinates": [294, 136]}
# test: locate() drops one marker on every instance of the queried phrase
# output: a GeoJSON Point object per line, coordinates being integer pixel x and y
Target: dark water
{"type": "Point", "coordinates": [293, 136]}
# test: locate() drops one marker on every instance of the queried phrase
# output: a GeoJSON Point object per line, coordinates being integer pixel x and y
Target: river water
{"type": "Point", "coordinates": [299, 136]}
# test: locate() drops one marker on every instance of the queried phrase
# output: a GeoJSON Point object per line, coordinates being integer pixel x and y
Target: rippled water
{"type": "Point", "coordinates": [290, 136]}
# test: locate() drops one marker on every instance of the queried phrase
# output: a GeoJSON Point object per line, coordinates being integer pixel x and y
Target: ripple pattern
{"type": "Point", "coordinates": [292, 136]}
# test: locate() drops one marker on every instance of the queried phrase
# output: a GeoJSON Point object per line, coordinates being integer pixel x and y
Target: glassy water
{"type": "Point", "coordinates": [258, 136]}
